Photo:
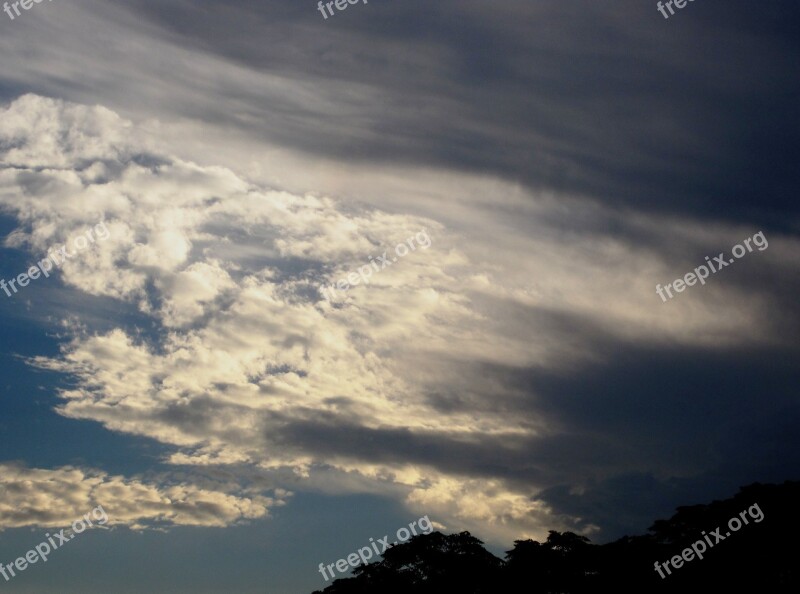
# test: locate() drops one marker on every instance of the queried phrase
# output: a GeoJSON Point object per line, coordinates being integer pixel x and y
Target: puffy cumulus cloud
{"type": "Point", "coordinates": [408, 385]}
{"type": "Point", "coordinates": [57, 497]}
{"type": "Point", "coordinates": [254, 353]}
{"type": "Point", "coordinates": [191, 291]}
{"type": "Point", "coordinates": [57, 135]}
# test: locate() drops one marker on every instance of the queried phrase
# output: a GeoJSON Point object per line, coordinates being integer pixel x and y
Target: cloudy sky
{"type": "Point", "coordinates": [552, 163]}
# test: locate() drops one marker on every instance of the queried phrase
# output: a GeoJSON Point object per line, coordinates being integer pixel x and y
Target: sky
{"type": "Point", "coordinates": [330, 274]}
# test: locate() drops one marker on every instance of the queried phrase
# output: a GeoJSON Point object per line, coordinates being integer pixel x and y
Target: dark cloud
{"type": "Point", "coordinates": [709, 421]}
{"type": "Point", "coordinates": [706, 421]}
{"type": "Point", "coordinates": [697, 114]}
{"type": "Point", "coordinates": [487, 456]}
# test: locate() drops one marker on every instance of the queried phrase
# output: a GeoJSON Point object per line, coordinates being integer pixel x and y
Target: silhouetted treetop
{"type": "Point", "coordinates": [760, 556]}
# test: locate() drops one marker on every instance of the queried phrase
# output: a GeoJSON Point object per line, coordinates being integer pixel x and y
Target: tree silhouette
{"type": "Point", "coordinates": [761, 556]}
{"type": "Point", "coordinates": [563, 563]}
{"type": "Point", "coordinates": [432, 562]}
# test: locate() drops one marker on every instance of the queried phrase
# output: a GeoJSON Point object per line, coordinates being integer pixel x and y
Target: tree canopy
{"type": "Point", "coordinates": [760, 555]}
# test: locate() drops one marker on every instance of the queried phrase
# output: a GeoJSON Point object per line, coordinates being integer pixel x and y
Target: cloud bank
{"type": "Point", "coordinates": [440, 383]}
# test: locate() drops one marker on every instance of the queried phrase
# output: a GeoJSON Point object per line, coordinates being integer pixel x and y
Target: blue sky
{"type": "Point", "coordinates": [517, 374]}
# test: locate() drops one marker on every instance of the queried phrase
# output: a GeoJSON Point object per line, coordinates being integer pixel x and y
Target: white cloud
{"type": "Point", "coordinates": [230, 270]}
{"type": "Point", "coordinates": [56, 497]}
